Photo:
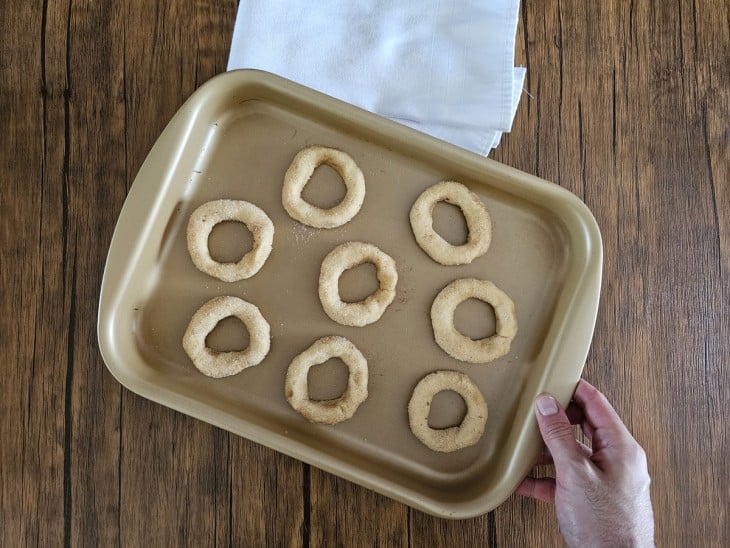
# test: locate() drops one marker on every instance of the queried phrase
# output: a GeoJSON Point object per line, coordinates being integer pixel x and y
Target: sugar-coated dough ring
{"type": "Point", "coordinates": [210, 214]}
{"type": "Point", "coordinates": [223, 364]}
{"type": "Point", "coordinates": [346, 256]}
{"type": "Point", "coordinates": [298, 175]}
{"type": "Point", "coordinates": [462, 347]}
{"type": "Point", "coordinates": [327, 411]}
{"type": "Point", "coordinates": [477, 222]}
{"type": "Point", "coordinates": [456, 437]}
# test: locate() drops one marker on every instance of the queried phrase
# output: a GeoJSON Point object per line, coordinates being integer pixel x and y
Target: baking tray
{"type": "Point", "coordinates": [234, 138]}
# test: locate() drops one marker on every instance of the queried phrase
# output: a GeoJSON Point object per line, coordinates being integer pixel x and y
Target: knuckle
{"type": "Point", "coordinates": [633, 455]}
{"type": "Point", "coordinates": [557, 431]}
{"type": "Point", "coordinates": [591, 393]}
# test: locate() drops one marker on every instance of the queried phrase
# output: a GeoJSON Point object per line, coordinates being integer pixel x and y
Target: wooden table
{"type": "Point", "coordinates": [628, 107]}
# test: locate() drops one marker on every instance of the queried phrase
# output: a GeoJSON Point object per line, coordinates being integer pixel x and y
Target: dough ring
{"type": "Point", "coordinates": [477, 222]}
{"type": "Point", "coordinates": [327, 411]}
{"type": "Point", "coordinates": [455, 437]}
{"type": "Point", "coordinates": [346, 256]}
{"type": "Point", "coordinates": [461, 347]}
{"type": "Point", "coordinates": [210, 214]}
{"type": "Point", "coordinates": [223, 364]}
{"type": "Point", "coordinates": [298, 175]}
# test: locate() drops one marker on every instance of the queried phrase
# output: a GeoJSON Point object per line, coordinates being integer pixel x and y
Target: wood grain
{"type": "Point", "coordinates": [627, 106]}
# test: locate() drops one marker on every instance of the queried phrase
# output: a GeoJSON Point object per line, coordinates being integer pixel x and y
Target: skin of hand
{"type": "Point", "coordinates": [601, 494]}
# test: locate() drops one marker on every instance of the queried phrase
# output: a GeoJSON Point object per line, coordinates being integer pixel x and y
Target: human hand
{"type": "Point", "coordinates": [601, 493]}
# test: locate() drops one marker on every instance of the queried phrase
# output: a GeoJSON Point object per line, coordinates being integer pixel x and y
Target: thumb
{"type": "Point", "coordinates": [556, 430]}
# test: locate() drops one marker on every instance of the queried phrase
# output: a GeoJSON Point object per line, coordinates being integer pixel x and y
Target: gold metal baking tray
{"type": "Point", "coordinates": [234, 138]}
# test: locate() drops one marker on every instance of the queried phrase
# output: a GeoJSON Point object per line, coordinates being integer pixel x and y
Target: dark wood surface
{"type": "Point", "coordinates": [628, 107]}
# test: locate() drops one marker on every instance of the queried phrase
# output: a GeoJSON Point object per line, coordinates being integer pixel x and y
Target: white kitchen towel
{"type": "Point", "coordinates": [445, 67]}
{"type": "Point", "coordinates": [479, 140]}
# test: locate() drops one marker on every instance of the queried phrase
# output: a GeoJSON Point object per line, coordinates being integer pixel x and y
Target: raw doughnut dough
{"type": "Point", "coordinates": [298, 175]}
{"type": "Point", "coordinates": [461, 347]}
{"type": "Point", "coordinates": [327, 411]}
{"type": "Point", "coordinates": [477, 221]}
{"type": "Point", "coordinates": [210, 214]}
{"type": "Point", "coordinates": [456, 437]}
{"type": "Point", "coordinates": [223, 364]}
{"type": "Point", "coordinates": [346, 256]}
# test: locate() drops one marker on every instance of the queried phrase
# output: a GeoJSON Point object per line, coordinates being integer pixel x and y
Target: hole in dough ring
{"type": "Point", "coordinates": [477, 221]}
{"type": "Point", "coordinates": [224, 364]}
{"type": "Point", "coordinates": [298, 175]}
{"type": "Point", "coordinates": [327, 411]}
{"type": "Point", "coordinates": [208, 215]}
{"type": "Point", "coordinates": [460, 346]}
{"type": "Point", "coordinates": [456, 437]}
{"type": "Point", "coordinates": [346, 256]}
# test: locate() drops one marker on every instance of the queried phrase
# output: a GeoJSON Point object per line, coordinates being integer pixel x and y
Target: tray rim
{"type": "Point", "coordinates": [560, 380]}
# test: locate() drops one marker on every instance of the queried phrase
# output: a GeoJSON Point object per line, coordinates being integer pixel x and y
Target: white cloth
{"type": "Point", "coordinates": [445, 67]}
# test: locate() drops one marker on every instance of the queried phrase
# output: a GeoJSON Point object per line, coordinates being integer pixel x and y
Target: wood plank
{"type": "Point", "coordinates": [428, 531]}
{"type": "Point", "coordinates": [94, 137]}
{"type": "Point", "coordinates": [345, 514]}
{"type": "Point", "coordinates": [34, 302]}
{"type": "Point", "coordinates": [268, 497]}
{"type": "Point", "coordinates": [170, 468]}
{"type": "Point", "coordinates": [684, 295]}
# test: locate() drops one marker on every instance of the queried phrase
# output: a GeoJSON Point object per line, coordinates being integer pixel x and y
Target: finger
{"type": "Point", "coordinates": [546, 458]}
{"type": "Point", "coordinates": [542, 489]}
{"type": "Point", "coordinates": [608, 428]}
{"type": "Point", "coordinates": [556, 430]}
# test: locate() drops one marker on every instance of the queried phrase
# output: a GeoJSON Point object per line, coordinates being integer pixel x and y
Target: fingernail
{"type": "Point", "coordinates": [546, 405]}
